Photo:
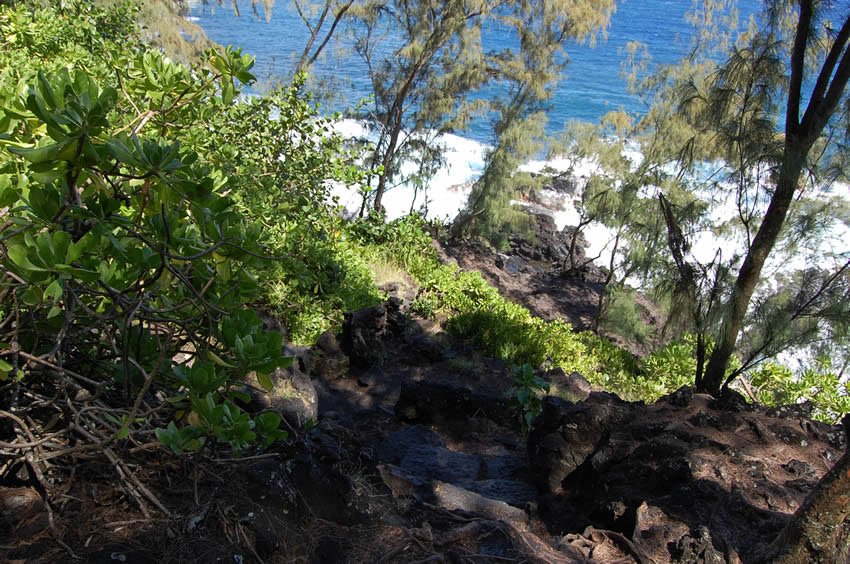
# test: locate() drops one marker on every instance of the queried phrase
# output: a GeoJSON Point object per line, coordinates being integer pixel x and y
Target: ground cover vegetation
{"type": "Point", "coordinates": [148, 212]}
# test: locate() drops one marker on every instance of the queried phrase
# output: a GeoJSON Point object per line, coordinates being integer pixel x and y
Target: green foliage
{"type": "Point", "coordinates": [473, 310]}
{"type": "Point", "coordinates": [672, 366]}
{"type": "Point", "coordinates": [124, 261]}
{"type": "Point", "coordinates": [529, 75]}
{"type": "Point", "coordinates": [165, 27]}
{"type": "Point", "coordinates": [622, 316]}
{"type": "Point", "coordinates": [405, 241]}
{"type": "Point", "coordinates": [525, 394]}
{"type": "Point", "coordinates": [281, 158]}
{"type": "Point", "coordinates": [776, 385]}
{"type": "Point", "coordinates": [509, 331]}
{"type": "Point", "coordinates": [614, 369]}
{"type": "Point", "coordinates": [139, 199]}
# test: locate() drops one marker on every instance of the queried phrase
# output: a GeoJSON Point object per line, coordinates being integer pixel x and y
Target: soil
{"type": "Point", "coordinates": [420, 457]}
{"type": "Point", "coordinates": [417, 455]}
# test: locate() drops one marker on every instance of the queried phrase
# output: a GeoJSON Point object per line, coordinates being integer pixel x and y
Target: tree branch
{"type": "Point", "coordinates": [798, 60]}
{"type": "Point", "coordinates": [831, 60]}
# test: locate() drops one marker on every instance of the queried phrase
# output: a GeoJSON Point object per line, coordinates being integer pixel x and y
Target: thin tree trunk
{"type": "Point", "coordinates": [600, 302]}
{"type": "Point", "coordinates": [750, 272]}
{"type": "Point", "coordinates": [314, 33]}
{"type": "Point", "coordinates": [337, 18]}
{"type": "Point", "coordinates": [389, 155]}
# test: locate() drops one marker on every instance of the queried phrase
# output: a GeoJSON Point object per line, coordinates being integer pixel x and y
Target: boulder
{"type": "Point", "coordinates": [445, 400]}
{"type": "Point", "coordinates": [328, 361]}
{"type": "Point", "coordinates": [567, 434]}
{"type": "Point", "coordinates": [367, 334]}
{"type": "Point", "coordinates": [571, 387]}
{"type": "Point", "coordinates": [293, 396]}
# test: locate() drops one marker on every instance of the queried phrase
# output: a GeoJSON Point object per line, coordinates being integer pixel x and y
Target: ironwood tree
{"type": "Point", "coordinates": [816, 47]}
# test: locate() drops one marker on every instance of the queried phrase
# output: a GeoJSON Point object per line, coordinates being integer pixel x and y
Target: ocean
{"type": "Point", "coordinates": [592, 86]}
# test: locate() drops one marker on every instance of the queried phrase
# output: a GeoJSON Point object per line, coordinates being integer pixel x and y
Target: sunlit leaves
{"type": "Point", "coordinates": [119, 250]}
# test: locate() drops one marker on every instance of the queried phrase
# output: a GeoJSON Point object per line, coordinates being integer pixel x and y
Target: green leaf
{"type": "Point", "coordinates": [20, 256]}
{"type": "Point", "coordinates": [32, 296]}
{"type": "Point", "coordinates": [44, 201]}
{"type": "Point", "coordinates": [62, 151]}
{"type": "Point", "coordinates": [218, 360]}
{"type": "Point", "coordinates": [264, 378]}
{"type": "Point", "coordinates": [8, 192]}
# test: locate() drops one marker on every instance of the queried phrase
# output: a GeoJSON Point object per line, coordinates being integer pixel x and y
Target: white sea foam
{"type": "Point", "coordinates": [448, 192]}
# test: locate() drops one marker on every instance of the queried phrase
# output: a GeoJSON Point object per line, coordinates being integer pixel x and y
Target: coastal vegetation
{"type": "Point", "coordinates": [141, 196]}
{"type": "Point", "coordinates": [149, 214]}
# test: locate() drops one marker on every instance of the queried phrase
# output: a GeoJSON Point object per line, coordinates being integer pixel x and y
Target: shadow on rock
{"type": "Point", "coordinates": [688, 479]}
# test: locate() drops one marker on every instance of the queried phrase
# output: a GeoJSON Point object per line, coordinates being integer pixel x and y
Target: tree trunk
{"type": "Point", "coordinates": [814, 533]}
{"type": "Point", "coordinates": [800, 135]}
{"type": "Point", "coordinates": [389, 154]}
{"type": "Point", "coordinates": [750, 272]}
{"type": "Point", "coordinates": [314, 33]}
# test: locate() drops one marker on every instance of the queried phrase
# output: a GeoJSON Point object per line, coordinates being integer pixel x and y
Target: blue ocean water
{"type": "Point", "coordinates": [592, 86]}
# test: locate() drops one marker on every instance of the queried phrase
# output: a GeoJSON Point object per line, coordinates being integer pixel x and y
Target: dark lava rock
{"type": "Point", "coordinates": [326, 493]}
{"type": "Point", "coordinates": [730, 400]}
{"type": "Point", "coordinates": [329, 551]}
{"type": "Point", "coordinates": [697, 549]}
{"type": "Point", "coordinates": [502, 466]}
{"type": "Point", "coordinates": [562, 183]}
{"type": "Point", "coordinates": [567, 435]}
{"type": "Point", "coordinates": [789, 435]}
{"type": "Point", "coordinates": [440, 463]}
{"type": "Point", "coordinates": [447, 400]}
{"type": "Point", "coordinates": [328, 361]}
{"type": "Point", "coordinates": [366, 333]}
{"type": "Point", "coordinates": [792, 411]}
{"type": "Point", "coordinates": [573, 387]}
{"type": "Point", "coordinates": [272, 323]}
{"type": "Point", "coordinates": [396, 446]}
{"type": "Point", "coordinates": [699, 483]}
{"type": "Point", "coordinates": [371, 377]}
{"type": "Point", "coordinates": [546, 244]}
{"type": "Point", "coordinates": [302, 357]}
{"type": "Point", "coordinates": [681, 397]}
{"type": "Point", "coordinates": [328, 344]}
{"type": "Point", "coordinates": [510, 264]}
{"type": "Point", "coordinates": [113, 553]}
{"type": "Point", "coordinates": [799, 468]}
{"type": "Point", "coordinates": [331, 442]}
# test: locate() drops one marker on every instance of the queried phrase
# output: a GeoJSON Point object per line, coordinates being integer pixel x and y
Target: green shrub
{"type": "Point", "coordinates": [615, 369]}
{"type": "Point", "coordinates": [672, 366]}
{"type": "Point", "coordinates": [622, 316]}
{"type": "Point", "coordinates": [775, 385]}
{"type": "Point", "coordinates": [124, 262]}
